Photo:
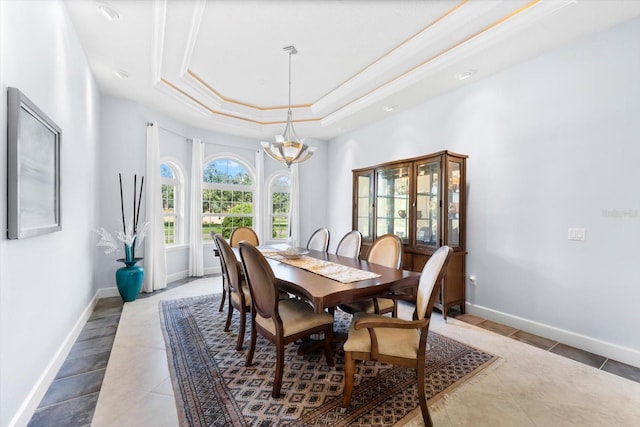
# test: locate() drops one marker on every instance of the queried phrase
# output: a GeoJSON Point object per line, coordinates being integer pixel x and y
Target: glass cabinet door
{"type": "Point", "coordinates": [392, 202]}
{"type": "Point", "coordinates": [364, 204]}
{"type": "Point", "coordinates": [454, 175]}
{"type": "Point", "coordinates": [428, 203]}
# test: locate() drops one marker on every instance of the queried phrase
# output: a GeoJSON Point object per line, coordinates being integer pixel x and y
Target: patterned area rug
{"type": "Point", "coordinates": [213, 387]}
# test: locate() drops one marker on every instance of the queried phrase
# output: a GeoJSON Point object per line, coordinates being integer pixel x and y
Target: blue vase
{"type": "Point", "coordinates": [129, 278]}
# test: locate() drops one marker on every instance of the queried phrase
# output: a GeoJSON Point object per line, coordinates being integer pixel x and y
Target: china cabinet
{"type": "Point", "coordinates": [421, 200]}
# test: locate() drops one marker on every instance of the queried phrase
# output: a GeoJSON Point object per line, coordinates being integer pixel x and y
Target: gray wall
{"type": "Point", "coordinates": [45, 281]}
{"type": "Point", "coordinates": [553, 143]}
{"type": "Point", "coordinates": [123, 125]}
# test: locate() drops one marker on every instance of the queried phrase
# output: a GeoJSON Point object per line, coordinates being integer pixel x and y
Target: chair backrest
{"type": "Point", "coordinates": [350, 244]}
{"type": "Point", "coordinates": [243, 233]}
{"type": "Point", "coordinates": [386, 250]}
{"type": "Point", "coordinates": [431, 276]}
{"type": "Point", "coordinates": [319, 240]}
{"type": "Point", "coordinates": [261, 280]}
{"type": "Point", "coordinates": [230, 267]}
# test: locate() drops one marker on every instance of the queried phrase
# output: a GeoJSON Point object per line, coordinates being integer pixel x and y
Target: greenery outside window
{"type": "Point", "coordinates": [279, 196]}
{"type": "Point", "coordinates": [227, 197]}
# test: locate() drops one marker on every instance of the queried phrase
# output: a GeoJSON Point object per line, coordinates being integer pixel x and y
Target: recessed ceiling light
{"type": "Point", "coordinates": [108, 12]}
{"type": "Point", "coordinates": [122, 75]}
{"type": "Point", "coordinates": [389, 108]}
{"type": "Point", "coordinates": [463, 75]}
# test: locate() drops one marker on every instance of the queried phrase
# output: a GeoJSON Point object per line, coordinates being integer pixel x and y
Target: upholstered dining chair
{"type": "Point", "coordinates": [281, 321]}
{"type": "Point", "coordinates": [319, 240]}
{"type": "Point", "coordinates": [243, 233]}
{"type": "Point", "coordinates": [386, 250]}
{"type": "Point", "coordinates": [239, 295]}
{"type": "Point", "coordinates": [350, 244]}
{"type": "Point", "coordinates": [397, 341]}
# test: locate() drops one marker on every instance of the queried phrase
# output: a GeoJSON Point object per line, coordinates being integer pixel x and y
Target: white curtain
{"type": "Point", "coordinates": [155, 260]}
{"type": "Point", "coordinates": [260, 225]}
{"type": "Point", "coordinates": [196, 260]}
{"type": "Point", "coordinates": [294, 207]}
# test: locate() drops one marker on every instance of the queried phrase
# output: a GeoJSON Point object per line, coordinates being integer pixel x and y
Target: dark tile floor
{"type": "Point", "coordinates": [599, 362]}
{"type": "Point", "coordinates": [72, 397]}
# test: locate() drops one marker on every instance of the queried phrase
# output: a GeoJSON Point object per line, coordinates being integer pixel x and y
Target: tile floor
{"type": "Point", "coordinates": [537, 382]}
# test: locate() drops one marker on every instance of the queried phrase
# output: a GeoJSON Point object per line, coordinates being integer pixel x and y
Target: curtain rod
{"type": "Point", "coordinates": [206, 142]}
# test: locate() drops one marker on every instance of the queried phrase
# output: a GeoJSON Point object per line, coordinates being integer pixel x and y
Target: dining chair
{"type": "Point", "coordinates": [386, 250]}
{"type": "Point", "coordinates": [319, 240]}
{"type": "Point", "coordinates": [239, 295]}
{"type": "Point", "coordinates": [280, 321]}
{"type": "Point", "coordinates": [396, 341]}
{"type": "Point", "coordinates": [216, 252]}
{"type": "Point", "coordinates": [243, 233]}
{"type": "Point", "coordinates": [350, 244]}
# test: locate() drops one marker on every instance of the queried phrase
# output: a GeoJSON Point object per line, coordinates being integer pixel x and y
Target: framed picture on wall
{"type": "Point", "coordinates": [33, 169]}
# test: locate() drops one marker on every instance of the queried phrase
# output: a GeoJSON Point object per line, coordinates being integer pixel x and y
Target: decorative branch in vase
{"type": "Point", "coordinates": [129, 278]}
{"type": "Point", "coordinates": [133, 233]}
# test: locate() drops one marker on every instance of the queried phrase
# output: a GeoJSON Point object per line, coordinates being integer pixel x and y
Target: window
{"type": "Point", "coordinates": [279, 196]}
{"type": "Point", "coordinates": [227, 197]}
{"type": "Point", "coordinates": [172, 195]}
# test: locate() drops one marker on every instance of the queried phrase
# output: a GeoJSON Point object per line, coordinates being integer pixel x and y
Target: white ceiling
{"type": "Point", "coordinates": [220, 65]}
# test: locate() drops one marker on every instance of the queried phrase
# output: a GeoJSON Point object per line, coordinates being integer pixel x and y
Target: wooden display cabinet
{"type": "Point", "coordinates": [423, 201]}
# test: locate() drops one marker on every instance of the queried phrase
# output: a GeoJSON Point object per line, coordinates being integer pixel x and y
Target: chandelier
{"type": "Point", "coordinates": [287, 148]}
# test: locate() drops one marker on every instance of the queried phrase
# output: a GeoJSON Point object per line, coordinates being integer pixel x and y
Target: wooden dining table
{"type": "Point", "coordinates": [323, 292]}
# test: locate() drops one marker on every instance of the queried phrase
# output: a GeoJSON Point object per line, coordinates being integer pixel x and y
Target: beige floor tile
{"type": "Point", "coordinates": [165, 388]}
{"type": "Point", "coordinates": [153, 409]}
{"type": "Point", "coordinates": [142, 368]}
{"type": "Point", "coordinates": [114, 402]}
{"type": "Point", "coordinates": [528, 386]}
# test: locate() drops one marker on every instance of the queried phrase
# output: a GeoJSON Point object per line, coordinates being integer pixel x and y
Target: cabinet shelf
{"type": "Point", "coordinates": [431, 189]}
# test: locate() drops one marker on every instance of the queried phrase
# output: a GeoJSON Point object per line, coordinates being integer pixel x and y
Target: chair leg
{"type": "Point", "coordinates": [376, 307]}
{"type": "Point", "coordinates": [277, 381]}
{"type": "Point", "coordinates": [229, 313]}
{"type": "Point", "coordinates": [328, 341]}
{"type": "Point", "coordinates": [422, 397]}
{"type": "Point", "coordinates": [243, 323]}
{"type": "Point", "coordinates": [224, 294]}
{"type": "Point", "coordinates": [252, 346]}
{"type": "Point", "coordinates": [349, 372]}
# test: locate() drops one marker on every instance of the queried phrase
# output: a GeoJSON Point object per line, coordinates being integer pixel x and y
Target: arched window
{"type": "Point", "coordinates": [172, 182]}
{"type": "Point", "coordinates": [279, 197]}
{"type": "Point", "coordinates": [227, 197]}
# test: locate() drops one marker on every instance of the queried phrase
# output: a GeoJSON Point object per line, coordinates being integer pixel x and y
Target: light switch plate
{"type": "Point", "coordinates": [577, 234]}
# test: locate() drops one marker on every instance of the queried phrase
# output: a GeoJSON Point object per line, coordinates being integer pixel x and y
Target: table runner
{"type": "Point", "coordinates": [331, 270]}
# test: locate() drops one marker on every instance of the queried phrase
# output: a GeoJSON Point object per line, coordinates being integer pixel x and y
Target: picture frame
{"type": "Point", "coordinates": [33, 169]}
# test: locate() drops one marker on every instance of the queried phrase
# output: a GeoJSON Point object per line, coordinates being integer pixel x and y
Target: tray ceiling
{"type": "Point", "coordinates": [220, 65]}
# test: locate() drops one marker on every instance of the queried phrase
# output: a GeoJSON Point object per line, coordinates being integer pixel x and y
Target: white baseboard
{"type": "Point", "coordinates": [107, 293]}
{"type": "Point", "coordinates": [177, 276]}
{"type": "Point", "coordinates": [183, 274]}
{"type": "Point", "coordinates": [31, 402]}
{"type": "Point", "coordinates": [212, 270]}
{"type": "Point", "coordinates": [593, 345]}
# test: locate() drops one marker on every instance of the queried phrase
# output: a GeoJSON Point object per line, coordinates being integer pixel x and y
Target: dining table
{"type": "Point", "coordinates": [327, 280]}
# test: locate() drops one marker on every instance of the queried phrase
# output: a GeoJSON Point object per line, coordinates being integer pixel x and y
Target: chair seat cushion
{"type": "Point", "coordinates": [297, 316]}
{"type": "Point", "coordinates": [247, 296]}
{"type": "Point", "coordinates": [391, 341]}
{"type": "Point", "coordinates": [385, 305]}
